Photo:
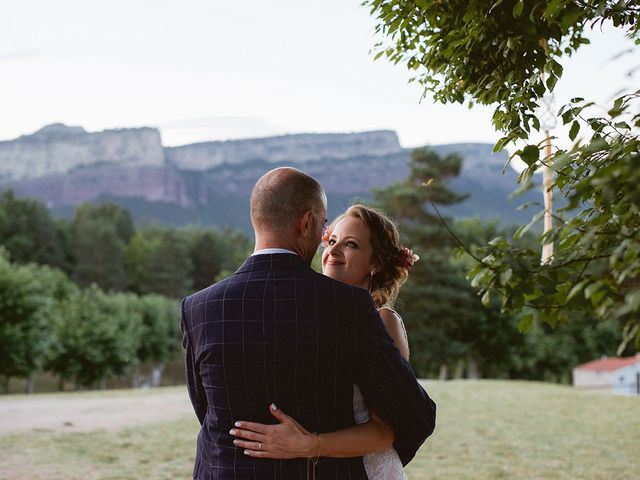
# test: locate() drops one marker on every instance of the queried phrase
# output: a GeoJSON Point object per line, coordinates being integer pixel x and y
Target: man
{"type": "Point", "coordinates": [278, 332]}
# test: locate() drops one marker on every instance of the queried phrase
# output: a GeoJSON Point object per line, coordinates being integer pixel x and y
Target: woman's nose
{"type": "Point", "coordinates": [334, 249]}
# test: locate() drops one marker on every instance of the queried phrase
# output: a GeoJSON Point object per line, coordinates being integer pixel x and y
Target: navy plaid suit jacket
{"type": "Point", "coordinates": [278, 332]}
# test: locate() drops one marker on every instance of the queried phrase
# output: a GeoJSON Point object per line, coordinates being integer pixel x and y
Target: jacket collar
{"type": "Point", "coordinates": [274, 261]}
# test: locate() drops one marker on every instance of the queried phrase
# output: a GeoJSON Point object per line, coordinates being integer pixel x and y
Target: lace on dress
{"type": "Point", "coordinates": [383, 465]}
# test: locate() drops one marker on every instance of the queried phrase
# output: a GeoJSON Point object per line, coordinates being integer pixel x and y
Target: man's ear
{"type": "Point", "coordinates": [306, 223]}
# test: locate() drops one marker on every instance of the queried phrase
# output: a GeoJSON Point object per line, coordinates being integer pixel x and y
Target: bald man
{"type": "Point", "coordinates": [276, 332]}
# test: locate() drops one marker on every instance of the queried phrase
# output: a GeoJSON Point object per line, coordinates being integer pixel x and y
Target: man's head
{"type": "Point", "coordinates": [288, 210]}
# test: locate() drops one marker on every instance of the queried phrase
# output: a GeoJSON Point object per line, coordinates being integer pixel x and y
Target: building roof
{"type": "Point", "coordinates": [607, 364]}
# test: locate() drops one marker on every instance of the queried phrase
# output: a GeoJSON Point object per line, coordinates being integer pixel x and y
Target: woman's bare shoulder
{"type": "Point", "coordinates": [395, 328]}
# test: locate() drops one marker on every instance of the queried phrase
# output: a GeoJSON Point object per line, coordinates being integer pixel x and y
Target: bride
{"type": "Point", "coordinates": [362, 248]}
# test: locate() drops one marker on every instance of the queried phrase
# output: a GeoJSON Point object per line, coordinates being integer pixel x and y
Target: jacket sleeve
{"type": "Point", "coordinates": [194, 382]}
{"type": "Point", "coordinates": [389, 385]}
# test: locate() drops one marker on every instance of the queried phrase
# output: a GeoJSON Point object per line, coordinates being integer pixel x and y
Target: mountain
{"type": "Point", "coordinates": [209, 183]}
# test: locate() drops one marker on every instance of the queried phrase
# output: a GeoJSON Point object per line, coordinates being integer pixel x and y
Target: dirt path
{"type": "Point", "coordinates": [81, 412]}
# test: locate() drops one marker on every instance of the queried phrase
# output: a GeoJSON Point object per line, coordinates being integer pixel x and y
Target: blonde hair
{"type": "Point", "coordinates": [387, 251]}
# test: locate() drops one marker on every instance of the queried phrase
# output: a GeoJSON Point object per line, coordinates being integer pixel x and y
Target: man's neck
{"type": "Point", "coordinates": [264, 241]}
{"type": "Point", "coordinates": [273, 251]}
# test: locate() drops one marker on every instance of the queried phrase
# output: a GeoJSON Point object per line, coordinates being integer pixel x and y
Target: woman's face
{"type": "Point", "coordinates": [348, 256]}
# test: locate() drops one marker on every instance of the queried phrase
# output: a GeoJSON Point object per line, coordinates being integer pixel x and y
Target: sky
{"type": "Point", "coordinates": [214, 70]}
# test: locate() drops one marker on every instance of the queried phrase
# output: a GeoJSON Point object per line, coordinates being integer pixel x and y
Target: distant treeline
{"type": "Point", "coordinates": [94, 298]}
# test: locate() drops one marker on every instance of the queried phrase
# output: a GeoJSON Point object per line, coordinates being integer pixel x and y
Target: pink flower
{"type": "Point", "coordinates": [407, 257]}
{"type": "Point", "coordinates": [325, 237]}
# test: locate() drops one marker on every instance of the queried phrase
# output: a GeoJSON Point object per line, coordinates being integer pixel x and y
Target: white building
{"type": "Point", "coordinates": [618, 375]}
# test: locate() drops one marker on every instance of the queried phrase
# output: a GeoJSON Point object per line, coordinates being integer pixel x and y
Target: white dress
{"type": "Point", "coordinates": [379, 466]}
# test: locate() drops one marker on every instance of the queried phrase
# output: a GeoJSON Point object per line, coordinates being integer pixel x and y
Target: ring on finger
{"type": "Point", "coordinates": [259, 446]}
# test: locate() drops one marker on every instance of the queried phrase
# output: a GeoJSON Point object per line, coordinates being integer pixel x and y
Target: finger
{"type": "Point", "coordinates": [279, 414]}
{"type": "Point", "coordinates": [247, 434]}
{"type": "Point", "coordinates": [250, 445]}
{"type": "Point", "coordinates": [283, 417]}
{"type": "Point", "coordinates": [256, 427]}
{"type": "Point", "coordinates": [258, 453]}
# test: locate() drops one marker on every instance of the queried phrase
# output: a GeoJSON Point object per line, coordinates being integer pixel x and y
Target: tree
{"type": "Point", "coordinates": [99, 235]}
{"type": "Point", "coordinates": [158, 261]}
{"type": "Point", "coordinates": [29, 233]}
{"type": "Point", "coordinates": [96, 336]}
{"type": "Point", "coordinates": [437, 300]}
{"type": "Point", "coordinates": [28, 298]}
{"type": "Point", "coordinates": [214, 254]}
{"type": "Point", "coordinates": [507, 54]}
{"type": "Point", "coordinates": [159, 334]}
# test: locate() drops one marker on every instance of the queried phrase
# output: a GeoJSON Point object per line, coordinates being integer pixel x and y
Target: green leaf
{"type": "Point", "coordinates": [575, 128]}
{"type": "Point", "coordinates": [505, 276]}
{"type": "Point", "coordinates": [500, 144]}
{"type": "Point", "coordinates": [577, 288]}
{"type": "Point", "coordinates": [560, 161]}
{"type": "Point", "coordinates": [592, 289]}
{"type": "Point", "coordinates": [517, 8]}
{"type": "Point", "coordinates": [530, 154]}
{"type": "Point", "coordinates": [525, 324]}
{"type": "Point", "coordinates": [486, 299]}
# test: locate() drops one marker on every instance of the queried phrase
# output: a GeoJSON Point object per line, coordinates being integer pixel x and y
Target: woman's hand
{"type": "Point", "coordinates": [286, 440]}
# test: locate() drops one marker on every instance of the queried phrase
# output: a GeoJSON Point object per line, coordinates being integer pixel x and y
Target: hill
{"type": "Point", "coordinates": [209, 183]}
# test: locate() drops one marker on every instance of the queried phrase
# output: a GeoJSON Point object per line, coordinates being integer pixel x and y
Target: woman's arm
{"type": "Point", "coordinates": [395, 328]}
{"type": "Point", "coordinates": [289, 439]}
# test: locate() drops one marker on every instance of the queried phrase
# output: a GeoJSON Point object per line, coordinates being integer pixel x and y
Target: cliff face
{"type": "Point", "coordinates": [299, 149]}
{"type": "Point", "coordinates": [58, 149]}
{"type": "Point", "coordinates": [210, 183]}
{"type": "Point", "coordinates": [149, 182]}
{"type": "Point", "coordinates": [67, 165]}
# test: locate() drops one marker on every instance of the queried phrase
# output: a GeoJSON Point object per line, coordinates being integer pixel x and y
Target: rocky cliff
{"type": "Point", "coordinates": [58, 149]}
{"type": "Point", "coordinates": [209, 183]}
{"type": "Point", "coordinates": [299, 149]}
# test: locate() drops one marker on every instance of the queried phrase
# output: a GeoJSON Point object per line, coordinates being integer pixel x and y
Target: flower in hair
{"type": "Point", "coordinates": [407, 257]}
{"type": "Point", "coordinates": [325, 237]}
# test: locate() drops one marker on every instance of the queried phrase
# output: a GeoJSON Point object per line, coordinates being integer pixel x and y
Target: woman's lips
{"type": "Point", "coordinates": [334, 262]}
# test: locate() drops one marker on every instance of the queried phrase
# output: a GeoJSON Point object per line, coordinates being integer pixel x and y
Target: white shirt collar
{"type": "Point", "coordinates": [270, 251]}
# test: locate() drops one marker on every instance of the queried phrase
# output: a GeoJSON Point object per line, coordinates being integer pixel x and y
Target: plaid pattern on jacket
{"type": "Point", "coordinates": [278, 332]}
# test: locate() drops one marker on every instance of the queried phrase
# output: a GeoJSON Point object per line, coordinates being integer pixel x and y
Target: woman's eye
{"type": "Point", "coordinates": [332, 241]}
{"type": "Point", "coordinates": [351, 244]}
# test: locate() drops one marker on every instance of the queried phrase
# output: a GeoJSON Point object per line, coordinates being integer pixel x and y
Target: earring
{"type": "Point", "coordinates": [371, 280]}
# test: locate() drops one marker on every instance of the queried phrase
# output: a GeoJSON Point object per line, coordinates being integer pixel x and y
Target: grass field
{"type": "Point", "coordinates": [486, 430]}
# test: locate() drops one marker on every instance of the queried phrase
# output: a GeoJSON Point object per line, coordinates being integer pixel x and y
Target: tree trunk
{"type": "Point", "coordinates": [156, 374]}
{"type": "Point", "coordinates": [135, 377]}
{"type": "Point", "coordinates": [176, 375]}
{"type": "Point", "coordinates": [443, 372]}
{"type": "Point", "coordinates": [472, 368]}
{"type": "Point", "coordinates": [103, 384]}
{"type": "Point", "coordinates": [458, 370]}
{"type": "Point", "coordinates": [61, 383]}
{"type": "Point", "coordinates": [5, 384]}
{"type": "Point", "coordinates": [30, 384]}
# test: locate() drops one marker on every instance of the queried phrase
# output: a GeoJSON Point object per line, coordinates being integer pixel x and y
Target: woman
{"type": "Point", "coordinates": [362, 248]}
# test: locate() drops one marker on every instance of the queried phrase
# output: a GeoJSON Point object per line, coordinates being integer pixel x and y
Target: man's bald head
{"type": "Point", "coordinates": [281, 196]}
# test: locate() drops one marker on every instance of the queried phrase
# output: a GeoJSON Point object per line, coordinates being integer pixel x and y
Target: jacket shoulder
{"type": "Point", "coordinates": [201, 296]}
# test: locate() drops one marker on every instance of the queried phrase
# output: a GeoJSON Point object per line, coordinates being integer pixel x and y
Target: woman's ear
{"type": "Point", "coordinates": [375, 268]}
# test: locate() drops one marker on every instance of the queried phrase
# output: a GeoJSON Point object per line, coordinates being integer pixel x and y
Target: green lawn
{"type": "Point", "coordinates": [486, 430]}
